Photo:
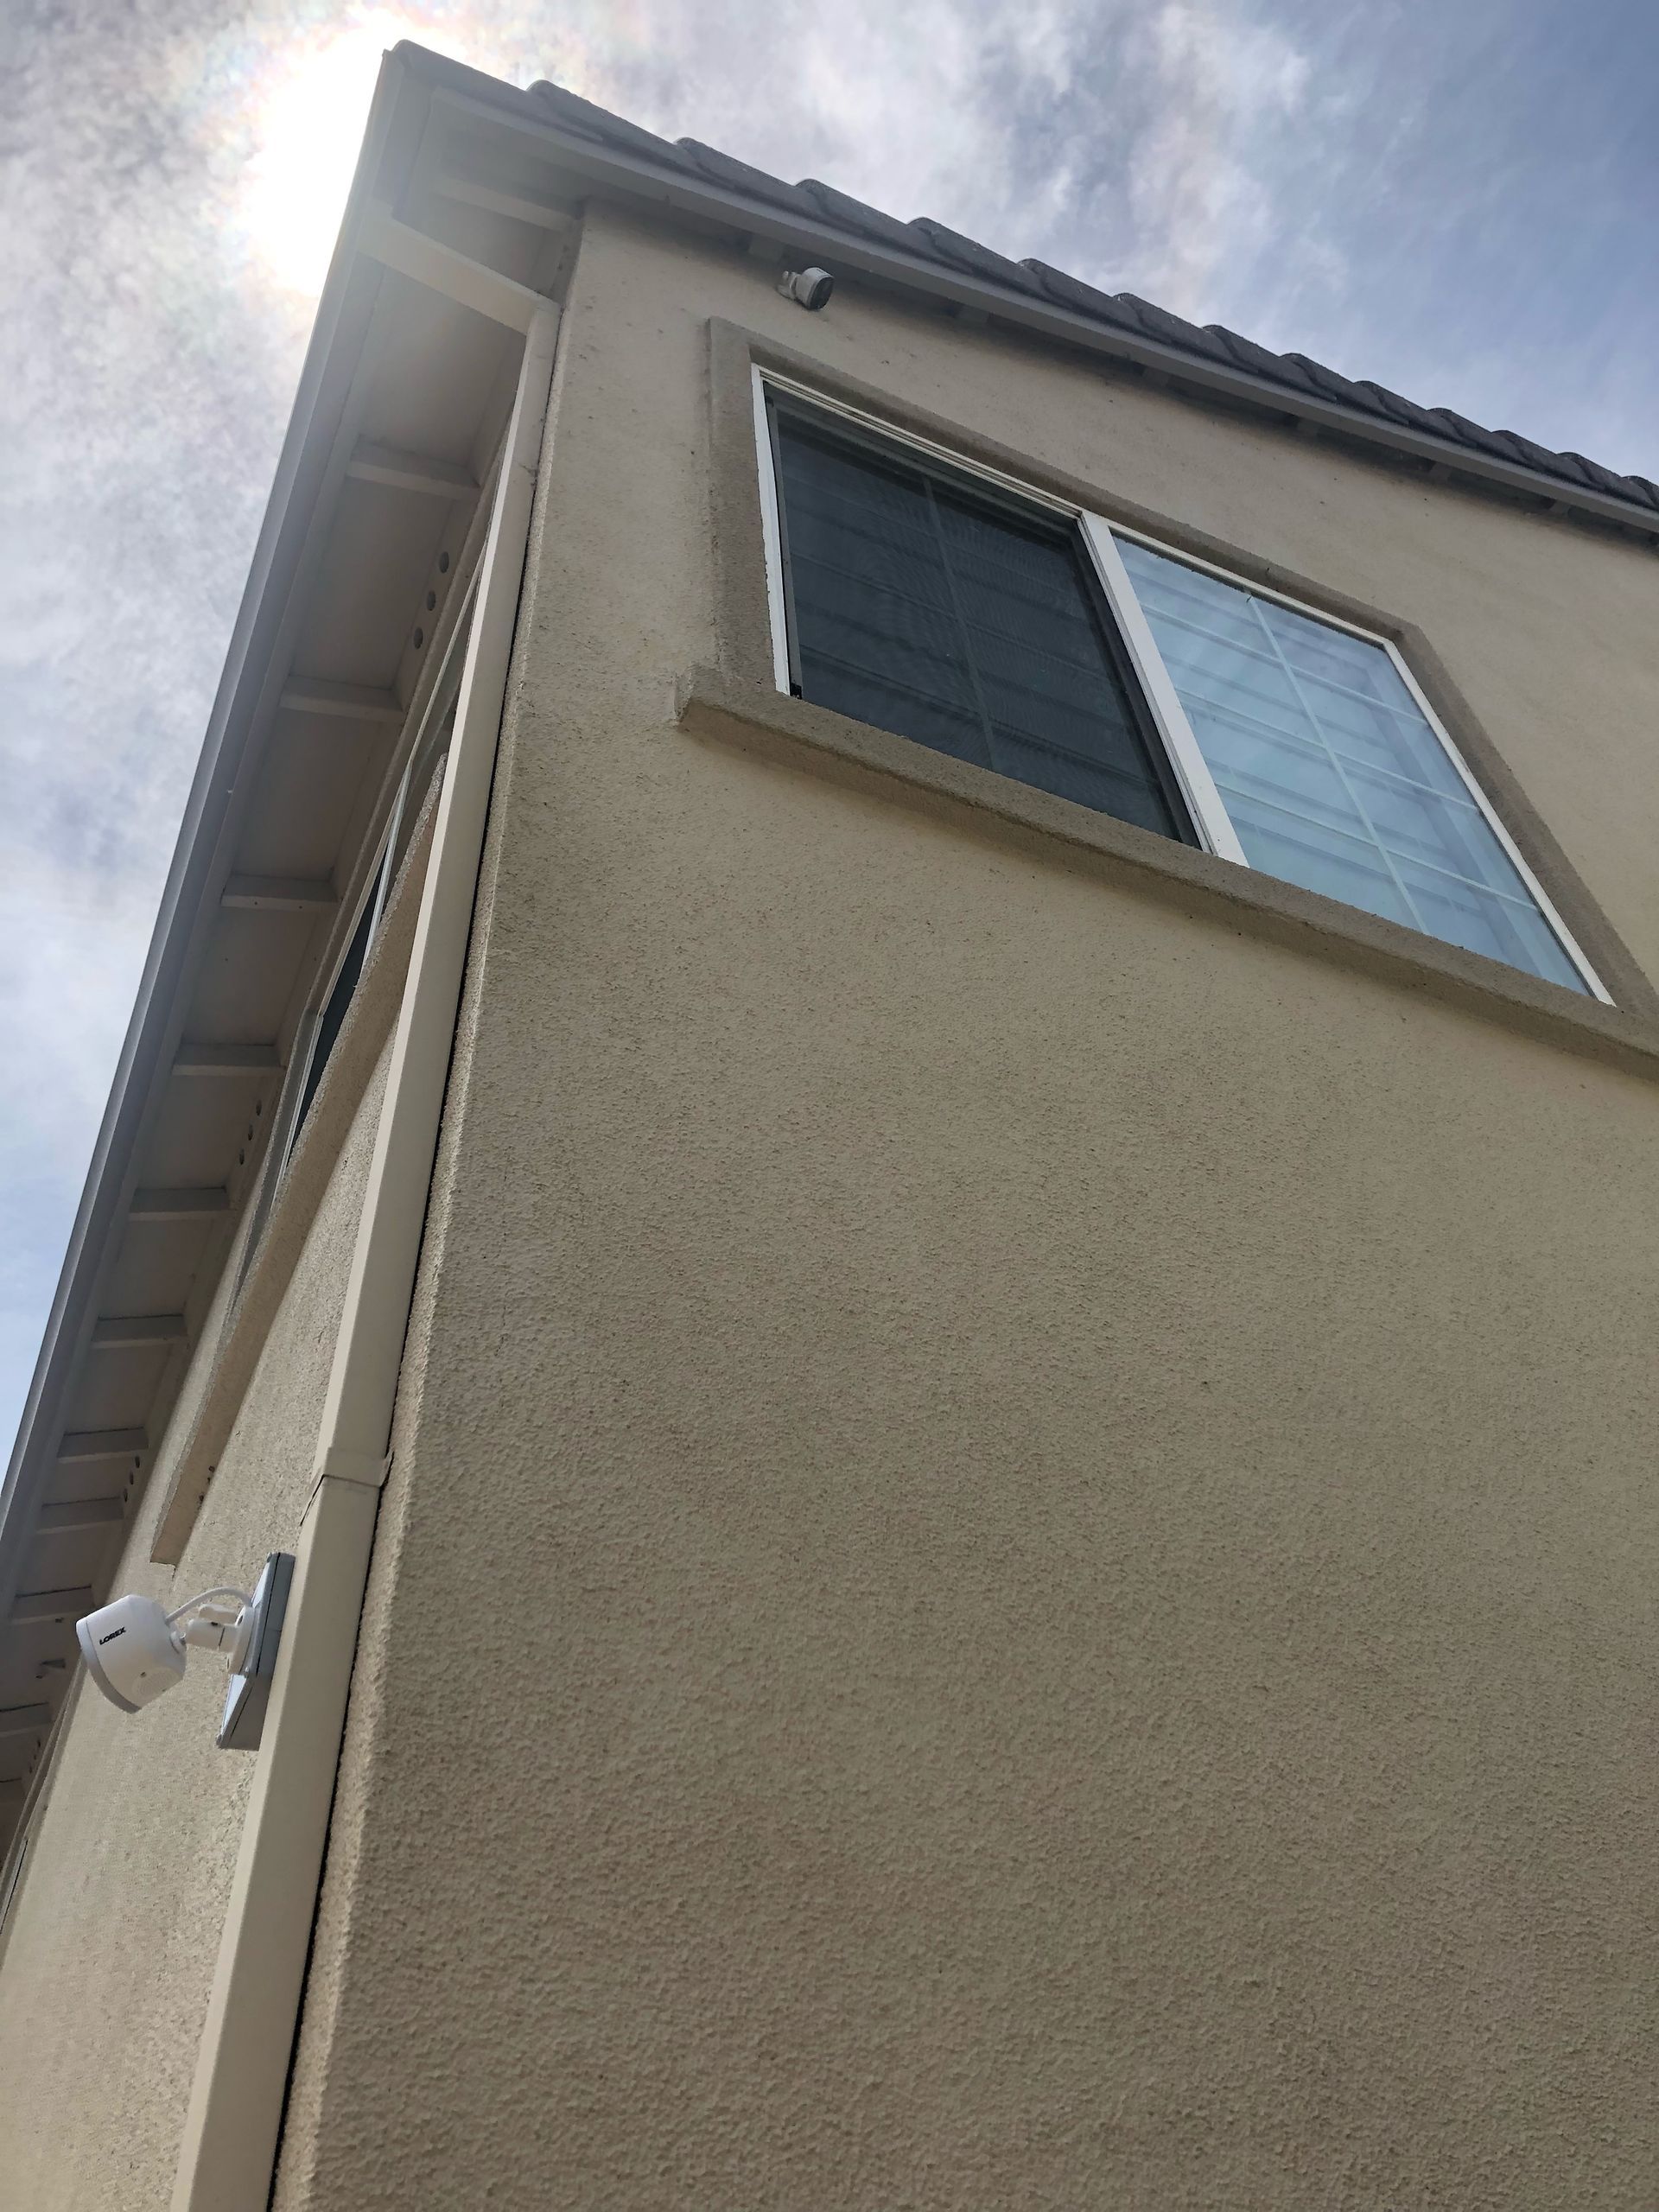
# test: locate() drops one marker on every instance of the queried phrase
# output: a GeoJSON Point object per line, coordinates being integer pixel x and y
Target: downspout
{"type": "Point", "coordinates": [227, 2160]}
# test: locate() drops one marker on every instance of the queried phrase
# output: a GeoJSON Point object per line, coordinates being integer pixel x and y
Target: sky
{"type": "Point", "coordinates": [1457, 198]}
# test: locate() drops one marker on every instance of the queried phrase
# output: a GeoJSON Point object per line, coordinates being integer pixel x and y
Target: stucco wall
{"type": "Point", "coordinates": [1022, 1576]}
{"type": "Point", "coordinates": [110, 1945]}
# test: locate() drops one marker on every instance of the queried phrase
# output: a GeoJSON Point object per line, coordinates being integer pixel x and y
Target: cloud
{"type": "Point", "coordinates": [1201, 193]}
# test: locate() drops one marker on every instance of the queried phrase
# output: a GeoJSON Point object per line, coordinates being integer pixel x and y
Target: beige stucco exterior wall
{"type": "Point", "coordinates": [110, 1948]}
{"type": "Point", "coordinates": [1023, 1574]}
{"type": "Point", "coordinates": [1016, 1566]}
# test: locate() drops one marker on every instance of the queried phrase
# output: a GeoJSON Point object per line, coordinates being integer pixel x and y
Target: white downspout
{"type": "Point", "coordinates": [228, 2159]}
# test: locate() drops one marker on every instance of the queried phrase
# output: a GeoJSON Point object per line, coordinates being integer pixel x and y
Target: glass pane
{"type": "Point", "coordinates": [1320, 859]}
{"type": "Point", "coordinates": [1333, 776]}
{"type": "Point", "coordinates": [916, 607]}
{"type": "Point", "coordinates": [334, 1015]}
{"type": "Point", "coordinates": [1501, 928]}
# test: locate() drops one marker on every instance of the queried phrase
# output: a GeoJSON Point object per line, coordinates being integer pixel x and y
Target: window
{"type": "Point", "coordinates": [997, 625]}
{"type": "Point", "coordinates": [424, 763]}
{"type": "Point", "coordinates": [319, 1031]}
{"type": "Point", "coordinates": [920, 605]}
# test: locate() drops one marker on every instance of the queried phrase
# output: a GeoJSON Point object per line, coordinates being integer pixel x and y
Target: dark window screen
{"type": "Point", "coordinates": [334, 1015]}
{"type": "Point", "coordinates": [919, 607]}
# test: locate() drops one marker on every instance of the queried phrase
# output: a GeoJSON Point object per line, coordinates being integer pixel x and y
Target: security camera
{"type": "Point", "coordinates": [134, 1651]}
{"type": "Point", "coordinates": [811, 288]}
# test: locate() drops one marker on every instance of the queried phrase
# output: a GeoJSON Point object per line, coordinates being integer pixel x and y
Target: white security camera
{"type": "Point", "coordinates": [811, 288]}
{"type": "Point", "coordinates": [134, 1651]}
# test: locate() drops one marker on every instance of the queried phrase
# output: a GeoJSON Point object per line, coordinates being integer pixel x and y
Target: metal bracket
{"type": "Point", "coordinates": [243, 1721]}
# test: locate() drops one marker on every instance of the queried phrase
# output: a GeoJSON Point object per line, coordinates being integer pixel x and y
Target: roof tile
{"type": "Point", "coordinates": [1332, 384]}
{"type": "Point", "coordinates": [1158, 323]}
{"type": "Point", "coordinates": [1283, 368]}
{"type": "Point", "coordinates": [1082, 297]}
{"type": "Point", "coordinates": [1528, 455]}
{"type": "Point", "coordinates": [1604, 479]}
{"type": "Point", "coordinates": [968, 253]}
{"type": "Point", "coordinates": [578, 114]}
{"type": "Point", "coordinates": [853, 216]}
{"type": "Point", "coordinates": [1471, 434]}
{"type": "Point", "coordinates": [723, 168]}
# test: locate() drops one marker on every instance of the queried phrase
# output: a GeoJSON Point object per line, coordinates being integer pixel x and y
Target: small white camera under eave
{"type": "Point", "coordinates": [135, 1651]}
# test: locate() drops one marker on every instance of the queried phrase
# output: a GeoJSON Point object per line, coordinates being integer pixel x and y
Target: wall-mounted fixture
{"type": "Point", "coordinates": [808, 288]}
{"type": "Point", "coordinates": [134, 1651]}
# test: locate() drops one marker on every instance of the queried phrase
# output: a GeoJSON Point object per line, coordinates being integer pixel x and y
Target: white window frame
{"type": "Point", "coordinates": [1209, 819]}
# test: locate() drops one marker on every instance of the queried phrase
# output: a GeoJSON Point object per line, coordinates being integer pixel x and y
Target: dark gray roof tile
{"type": "Point", "coordinates": [1333, 385]}
{"type": "Point", "coordinates": [1158, 323]}
{"type": "Point", "coordinates": [738, 176]}
{"type": "Point", "coordinates": [1281, 367]}
{"type": "Point", "coordinates": [1603, 479]}
{"type": "Point", "coordinates": [853, 216]}
{"type": "Point", "coordinates": [1528, 455]}
{"type": "Point", "coordinates": [1405, 410]}
{"type": "Point", "coordinates": [1471, 434]}
{"type": "Point", "coordinates": [577, 114]}
{"type": "Point", "coordinates": [968, 253]}
{"type": "Point", "coordinates": [1083, 298]}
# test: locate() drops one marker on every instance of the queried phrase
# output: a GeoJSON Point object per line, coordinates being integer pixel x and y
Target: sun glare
{"type": "Point", "coordinates": [308, 128]}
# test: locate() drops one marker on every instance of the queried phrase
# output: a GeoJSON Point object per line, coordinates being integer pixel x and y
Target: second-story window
{"type": "Point", "coordinates": [931, 610]}
{"type": "Point", "coordinates": [1045, 645]}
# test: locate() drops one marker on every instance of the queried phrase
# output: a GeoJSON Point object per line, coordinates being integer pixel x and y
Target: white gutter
{"type": "Point", "coordinates": [228, 2156]}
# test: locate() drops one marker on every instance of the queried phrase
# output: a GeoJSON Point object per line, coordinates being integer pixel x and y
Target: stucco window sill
{"type": "Point", "coordinates": [760, 720]}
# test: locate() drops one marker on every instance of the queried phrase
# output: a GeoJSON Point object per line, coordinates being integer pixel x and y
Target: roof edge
{"type": "Point", "coordinates": [613, 154]}
{"type": "Point", "coordinates": [277, 550]}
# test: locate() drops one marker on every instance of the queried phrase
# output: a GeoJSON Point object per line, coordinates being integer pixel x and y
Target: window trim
{"type": "Point", "coordinates": [1215, 829]}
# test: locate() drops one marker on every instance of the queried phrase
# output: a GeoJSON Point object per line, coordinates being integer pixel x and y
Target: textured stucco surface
{"type": "Point", "coordinates": [110, 1950]}
{"type": "Point", "coordinates": [1019, 1566]}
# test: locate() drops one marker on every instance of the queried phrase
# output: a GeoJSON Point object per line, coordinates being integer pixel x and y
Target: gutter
{"type": "Point", "coordinates": [233, 2121]}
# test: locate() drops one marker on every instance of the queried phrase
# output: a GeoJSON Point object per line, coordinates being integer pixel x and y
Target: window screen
{"type": "Point", "coordinates": [970, 626]}
{"type": "Point", "coordinates": [333, 1017]}
{"type": "Point", "coordinates": [1330, 772]}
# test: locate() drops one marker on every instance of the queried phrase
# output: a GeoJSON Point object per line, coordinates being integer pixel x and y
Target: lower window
{"type": "Point", "coordinates": [998, 627]}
